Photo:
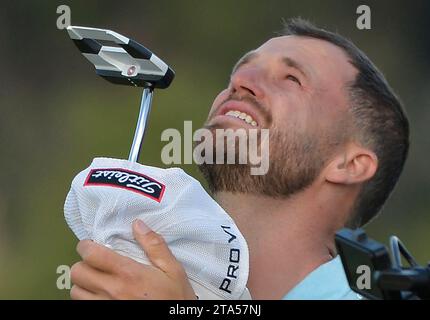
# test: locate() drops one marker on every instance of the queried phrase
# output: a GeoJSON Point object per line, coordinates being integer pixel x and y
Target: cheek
{"type": "Point", "coordinates": [330, 111]}
{"type": "Point", "coordinates": [292, 114]}
{"type": "Point", "coordinates": [220, 98]}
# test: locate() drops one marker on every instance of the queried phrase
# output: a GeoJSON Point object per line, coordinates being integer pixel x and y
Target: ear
{"type": "Point", "coordinates": [353, 165]}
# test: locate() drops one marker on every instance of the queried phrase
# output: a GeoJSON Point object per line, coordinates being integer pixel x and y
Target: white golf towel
{"type": "Point", "coordinates": [108, 196]}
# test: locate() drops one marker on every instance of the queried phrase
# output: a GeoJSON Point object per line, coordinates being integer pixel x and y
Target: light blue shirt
{"type": "Point", "coordinates": [327, 282]}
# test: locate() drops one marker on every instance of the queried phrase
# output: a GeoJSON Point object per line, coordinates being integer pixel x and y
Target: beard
{"type": "Point", "coordinates": [295, 161]}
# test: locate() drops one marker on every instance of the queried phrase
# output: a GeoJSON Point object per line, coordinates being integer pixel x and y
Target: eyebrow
{"type": "Point", "coordinates": [286, 60]}
{"type": "Point", "coordinates": [244, 60]}
{"type": "Point", "coordinates": [296, 65]}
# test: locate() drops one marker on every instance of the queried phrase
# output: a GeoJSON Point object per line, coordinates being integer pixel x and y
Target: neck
{"type": "Point", "coordinates": [287, 238]}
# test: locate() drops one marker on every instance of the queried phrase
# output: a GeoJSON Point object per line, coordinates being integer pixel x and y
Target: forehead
{"type": "Point", "coordinates": [323, 59]}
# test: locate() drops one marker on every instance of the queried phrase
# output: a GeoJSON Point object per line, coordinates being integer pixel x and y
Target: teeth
{"type": "Point", "coordinates": [243, 116]}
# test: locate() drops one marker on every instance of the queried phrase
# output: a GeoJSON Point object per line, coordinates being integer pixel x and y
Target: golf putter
{"type": "Point", "coordinates": [121, 60]}
{"type": "Point", "coordinates": [109, 194]}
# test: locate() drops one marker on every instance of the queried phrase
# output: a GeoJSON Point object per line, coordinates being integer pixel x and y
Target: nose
{"type": "Point", "coordinates": [247, 81]}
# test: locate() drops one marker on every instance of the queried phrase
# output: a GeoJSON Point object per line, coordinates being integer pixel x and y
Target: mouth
{"type": "Point", "coordinates": [242, 113]}
{"type": "Point", "coordinates": [242, 116]}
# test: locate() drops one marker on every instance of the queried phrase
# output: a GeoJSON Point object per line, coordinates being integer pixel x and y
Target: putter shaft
{"type": "Point", "coordinates": [145, 108]}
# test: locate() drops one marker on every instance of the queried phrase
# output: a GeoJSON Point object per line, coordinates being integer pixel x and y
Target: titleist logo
{"type": "Point", "coordinates": [129, 180]}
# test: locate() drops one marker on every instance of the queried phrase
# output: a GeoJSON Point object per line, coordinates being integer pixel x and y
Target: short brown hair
{"type": "Point", "coordinates": [380, 121]}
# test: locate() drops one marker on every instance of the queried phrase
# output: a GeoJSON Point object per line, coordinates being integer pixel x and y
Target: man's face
{"type": "Point", "coordinates": [295, 87]}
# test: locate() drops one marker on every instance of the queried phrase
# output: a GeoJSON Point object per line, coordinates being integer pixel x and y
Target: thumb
{"type": "Point", "coordinates": [156, 249]}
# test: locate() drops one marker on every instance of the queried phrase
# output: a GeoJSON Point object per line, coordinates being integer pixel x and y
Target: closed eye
{"type": "Point", "coordinates": [293, 78]}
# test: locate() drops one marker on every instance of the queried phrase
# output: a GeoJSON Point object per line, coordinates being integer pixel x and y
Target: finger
{"type": "Point", "coordinates": [89, 278]}
{"type": "Point", "coordinates": [100, 257]}
{"type": "Point", "coordinates": [78, 293]}
{"type": "Point", "coordinates": [156, 249]}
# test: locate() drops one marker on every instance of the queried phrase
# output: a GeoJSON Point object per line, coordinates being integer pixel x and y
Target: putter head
{"type": "Point", "coordinates": [121, 60]}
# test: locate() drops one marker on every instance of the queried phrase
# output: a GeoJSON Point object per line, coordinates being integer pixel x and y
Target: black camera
{"type": "Point", "coordinates": [374, 274]}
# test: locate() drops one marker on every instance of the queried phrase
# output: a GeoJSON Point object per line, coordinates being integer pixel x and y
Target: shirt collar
{"type": "Point", "coordinates": [327, 282]}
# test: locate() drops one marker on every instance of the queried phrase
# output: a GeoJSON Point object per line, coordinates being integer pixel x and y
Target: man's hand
{"type": "Point", "coordinates": [105, 274]}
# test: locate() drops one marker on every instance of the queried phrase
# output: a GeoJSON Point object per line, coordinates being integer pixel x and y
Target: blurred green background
{"type": "Point", "coordinates": [56, 114]}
